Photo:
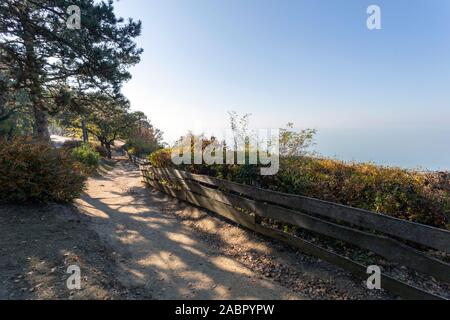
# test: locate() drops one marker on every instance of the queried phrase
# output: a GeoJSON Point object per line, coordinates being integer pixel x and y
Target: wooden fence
{"type": "Point", "coordinates": [386, 236]}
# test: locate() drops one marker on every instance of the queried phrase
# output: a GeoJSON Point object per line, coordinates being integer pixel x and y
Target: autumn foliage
{"type": "Point", "coordinates": [405, 194]}
{"type": "Point", "coordinates": [33, 171]}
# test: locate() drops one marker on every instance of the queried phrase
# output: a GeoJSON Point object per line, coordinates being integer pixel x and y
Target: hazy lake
{"type": "Point", "coordinates": [424, 148]}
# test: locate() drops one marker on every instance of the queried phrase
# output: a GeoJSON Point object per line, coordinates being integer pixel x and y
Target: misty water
{"type": "Point", "coordinates": [424, 148]}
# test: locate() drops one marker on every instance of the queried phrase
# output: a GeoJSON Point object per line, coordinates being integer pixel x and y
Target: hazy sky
{"type": "Point", "coordinates": [311, 62]}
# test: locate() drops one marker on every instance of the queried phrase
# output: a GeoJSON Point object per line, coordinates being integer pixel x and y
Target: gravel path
{"type": "Point", "coordinates": [166, 249]}
{"type": "Point", "coordinates": [159, 257]}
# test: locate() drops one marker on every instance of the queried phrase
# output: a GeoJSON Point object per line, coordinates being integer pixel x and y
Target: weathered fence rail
{"type": "Point", "coordinates": [381, 234]}
{"type": "Point", "coordinates": [136, 160]}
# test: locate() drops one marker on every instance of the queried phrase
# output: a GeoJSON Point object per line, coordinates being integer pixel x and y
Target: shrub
{"type": "Point", "coordinates": [71, 144]}
{"type": "Point", "coordinates": [86, 156]}
{"type": "Point", "coordinates": [140, 147]}
{"type": "Point", "coordinates": [34, 171]}
{"type": "Point", "coordinates": [394, 191]}
{"type": "Point", "coordinates": [405, 194]}
{"type": "Point", "coordinates": [143, 139]}
{"type": "Point", "coordinates": [131, 150]}
{"type": "Point", "coordinates": [161, 158]}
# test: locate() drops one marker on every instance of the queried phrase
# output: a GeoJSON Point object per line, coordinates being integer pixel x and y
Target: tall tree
{"type": "Point", "coordinates": [110, 122]}
{"type": "Point", "coordinates": [9, 87]}
{"type": "Point", "coordinates": [106, 118]}
{"type": "Point", "coordinates": [35, 37]}
{"type": "Point", "coordinates": [75, 105]}
{"type": "Point", "coordinates": [13, 99]}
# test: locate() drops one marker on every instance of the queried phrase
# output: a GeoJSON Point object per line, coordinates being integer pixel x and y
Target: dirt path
{"type": "Point", "coordinates": [37, 245]}
{"type": "Point", "coordinates": [158, 256]}
{"type": "Point", "coordinates": [132, 242]}
{"type": "Point", "coordinates": [166, 249]}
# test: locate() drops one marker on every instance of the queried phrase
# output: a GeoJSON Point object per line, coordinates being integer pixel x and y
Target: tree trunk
{"type": "Point", "coordinates": [41, 123]}
{"type": "Point", "coordinates": [11, 132]}
{"type": "Point", "coordinates": [108, 149]}
{"type": "Point", "coordinates": [85, 133]}
{"type": "Point", "coordinates": [33, 71]}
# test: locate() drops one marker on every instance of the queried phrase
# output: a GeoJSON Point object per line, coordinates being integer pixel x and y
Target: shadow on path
{"type": "Point", "coordinates": [157, 255]}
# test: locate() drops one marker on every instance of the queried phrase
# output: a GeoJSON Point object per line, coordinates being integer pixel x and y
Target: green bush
{"type": "Point", "coordinates": [72, 144]}
{"type": "Point", "coordinates": [86, 156]}
{"type": "Point", "coordinates": [35, 171]}
{"type": "Point", "coordinates": [140, 147]}
{"type": "Point", "coordinates": [130, 150]}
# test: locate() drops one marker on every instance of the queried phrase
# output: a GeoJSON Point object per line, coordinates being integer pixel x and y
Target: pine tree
{"type": "Point", "coordinates": [46, 54]}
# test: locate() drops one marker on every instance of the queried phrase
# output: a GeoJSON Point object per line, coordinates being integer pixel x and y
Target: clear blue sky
{"type": "Point", "coordinates": [311, 62]}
